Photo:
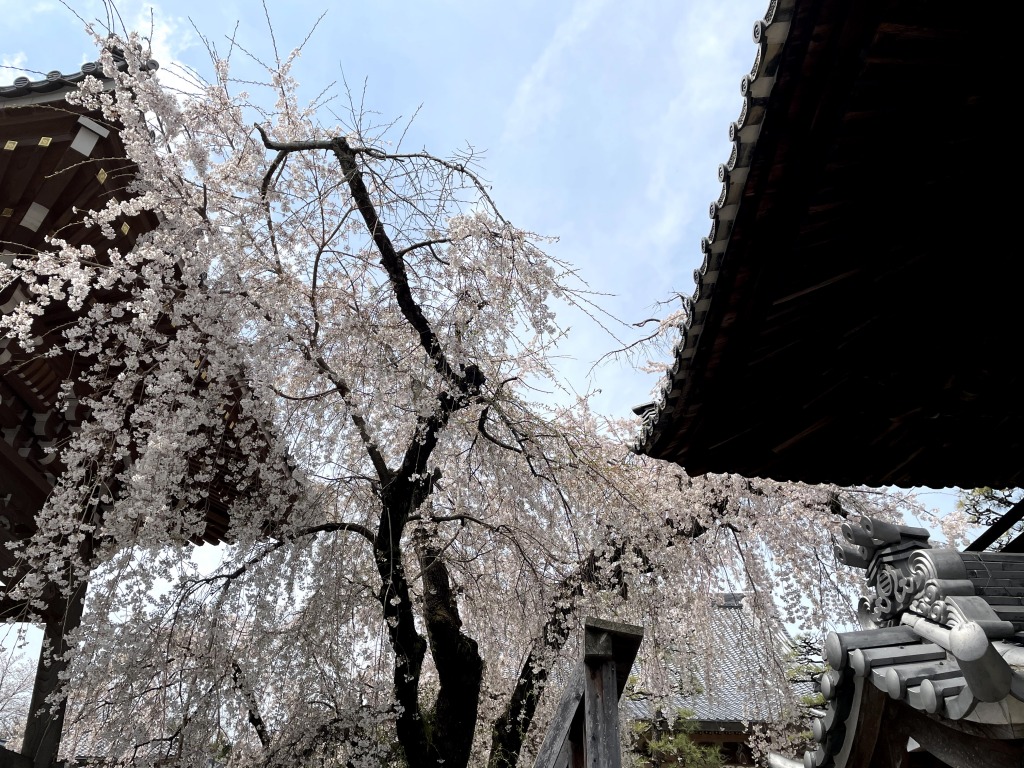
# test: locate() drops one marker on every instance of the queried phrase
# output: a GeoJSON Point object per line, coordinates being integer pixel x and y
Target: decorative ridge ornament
{"type": "Point", "coordinates": [930, 637]}
{"type": "Point", "coordinates": [884, 550]}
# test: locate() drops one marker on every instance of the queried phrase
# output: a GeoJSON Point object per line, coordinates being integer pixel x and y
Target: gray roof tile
{"type": "Point", "coordinates": [57, 82]}
{"type": "Point", "coordinates": [731, 683]}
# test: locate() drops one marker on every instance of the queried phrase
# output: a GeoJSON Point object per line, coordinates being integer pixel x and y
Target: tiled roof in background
{"type": "Point", "coordinates": [731, 685]}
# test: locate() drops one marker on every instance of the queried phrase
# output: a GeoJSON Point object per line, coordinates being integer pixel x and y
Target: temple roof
{"type": "Point", "coordinates": [55, 84]}
{"type": "Point", "coordinates": [854, 319]}
{"type": "Point", "coordinates": [730, 688]}
{"type": "Point", "coordinates": [943, 636]}
{"type": "Point", "coordinates": [58, 161]}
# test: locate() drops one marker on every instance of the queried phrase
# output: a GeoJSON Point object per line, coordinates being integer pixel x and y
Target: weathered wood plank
{"type": "Point", "coordinates": [564, 759]}
{"type": "Point", "coordinates": [625, 640]}
{"type": "Point", "coordinates": [585, 728]}
{"type": "Point", "coordinates": [601, 721]}
{"type": "Point", "coordinates": [553, 749]}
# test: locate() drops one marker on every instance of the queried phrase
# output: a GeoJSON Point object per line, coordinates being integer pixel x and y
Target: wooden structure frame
{"type": "Point", "coordinates": [584, 732]}
{"type": "Point", "coordinates": [837, 334]}
{"type": "Point", "coordinates": [56, 160]}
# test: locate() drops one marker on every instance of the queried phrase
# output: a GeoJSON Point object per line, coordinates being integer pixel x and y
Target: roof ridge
{"type": "Point", "coordinates": [55, 80]}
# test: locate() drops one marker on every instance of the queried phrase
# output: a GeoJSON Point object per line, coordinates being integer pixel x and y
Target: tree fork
{"type": "Point", "coordinates": [469, 380]}
{"type": "Point", "coordinates": [401, 499]}
{"type": "Point", "coordinates": [408, 646]}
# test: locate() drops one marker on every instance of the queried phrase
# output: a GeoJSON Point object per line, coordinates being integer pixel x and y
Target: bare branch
{"type": "Point", "coordinates": [424, 244]}
{"type": "Point", "coordinates": [467, 381]}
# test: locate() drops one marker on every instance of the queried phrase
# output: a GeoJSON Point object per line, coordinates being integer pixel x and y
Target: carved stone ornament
{"type": "Point", "coordinates": [940, 631]}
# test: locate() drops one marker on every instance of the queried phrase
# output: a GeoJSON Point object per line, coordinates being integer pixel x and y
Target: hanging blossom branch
{"type": "Point", "coordinates": [470, 380]}
{"type": "Point", "coordinates": [402, 492]}
{"type": "Point", "coordinates": [382, 308]}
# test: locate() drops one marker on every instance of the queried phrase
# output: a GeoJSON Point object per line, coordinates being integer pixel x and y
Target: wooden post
{"type": "Point", "coordinates": [44, 727]}
{"type": "Point", "coordinates": [601, 718]}
{"type": "Point", "coordinates": [584, 732]}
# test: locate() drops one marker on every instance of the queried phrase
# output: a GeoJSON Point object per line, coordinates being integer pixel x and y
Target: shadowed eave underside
{"type": "Point", "coordinates": [852, 322]}
{"type": "Point", "coordinates": [57, 161]}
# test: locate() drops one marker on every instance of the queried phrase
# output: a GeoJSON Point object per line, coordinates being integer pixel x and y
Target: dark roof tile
{"type": "Point", "coordinates": [59, 82]}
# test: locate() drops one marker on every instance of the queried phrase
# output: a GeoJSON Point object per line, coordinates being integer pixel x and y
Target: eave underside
{"type": "Point", "coordinates": [55, 164]}
{"type": "Point", "coordinates": [862, 326]}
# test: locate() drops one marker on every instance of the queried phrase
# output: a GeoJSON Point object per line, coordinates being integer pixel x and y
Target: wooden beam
{"type": "Point", "coordinates": [893, 735]}
{"type": "Point", "coordinates": [954, 747]}
{"type": "Point", "coordinates": [866, 718]}
{"type": "Point", "coordinates": [625, 642]}
{"type": "Point", "coordinates": [554, 751]}
{"type": "Point", "coordinates": [998, 528]}
{"type": "Point", "coordinates": [884, 726]}
{"type": "Point", "coordinates": [1016, 546]}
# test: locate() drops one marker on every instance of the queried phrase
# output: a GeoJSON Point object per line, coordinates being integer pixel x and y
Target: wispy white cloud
{"type": "Point", "coordinates": [681, 179]}
{"type": "Point", "coordinates": [14, 63]}
{"type": "Point", "coordinates": [536, 98]}
{"type": "Point", "coordinates": [17, 13]}
{"type": "Point", "coordinates": [169, 38]}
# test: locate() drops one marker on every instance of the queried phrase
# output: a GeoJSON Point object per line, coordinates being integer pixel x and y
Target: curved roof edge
{"type": "Point", "coordinates": [57, 83]}
{"type": "Point", "coordinates": [770, 34]}
{"type": "Point", "coordinates": [922, 675]}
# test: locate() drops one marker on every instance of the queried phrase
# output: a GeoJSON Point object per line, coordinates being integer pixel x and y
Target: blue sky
{"type": "Point", "coordinates": [602, 123]}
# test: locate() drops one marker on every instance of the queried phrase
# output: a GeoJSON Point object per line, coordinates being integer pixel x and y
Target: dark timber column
{"type": "Point", "coordinates": [601, 701]}
{"type": "Point", "coordinates": [43, 731]}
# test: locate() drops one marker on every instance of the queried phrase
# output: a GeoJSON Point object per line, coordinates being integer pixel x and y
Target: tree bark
{"type": "Point", "coordinates": [509, 730]}
{"type": "Point", "coordinates": [457, 659]}
{"type": "Point", "coordinates": [406, 643]}
{"type": "Point", "coordinates": [448, 736]}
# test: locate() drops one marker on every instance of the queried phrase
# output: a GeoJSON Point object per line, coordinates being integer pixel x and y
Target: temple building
{"type": "Point", "coordinates": [57, 162]}
{"type": "Point", "coordinates": [855, 321]}
{"type": "Point", "coordinates": [721, 700]}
